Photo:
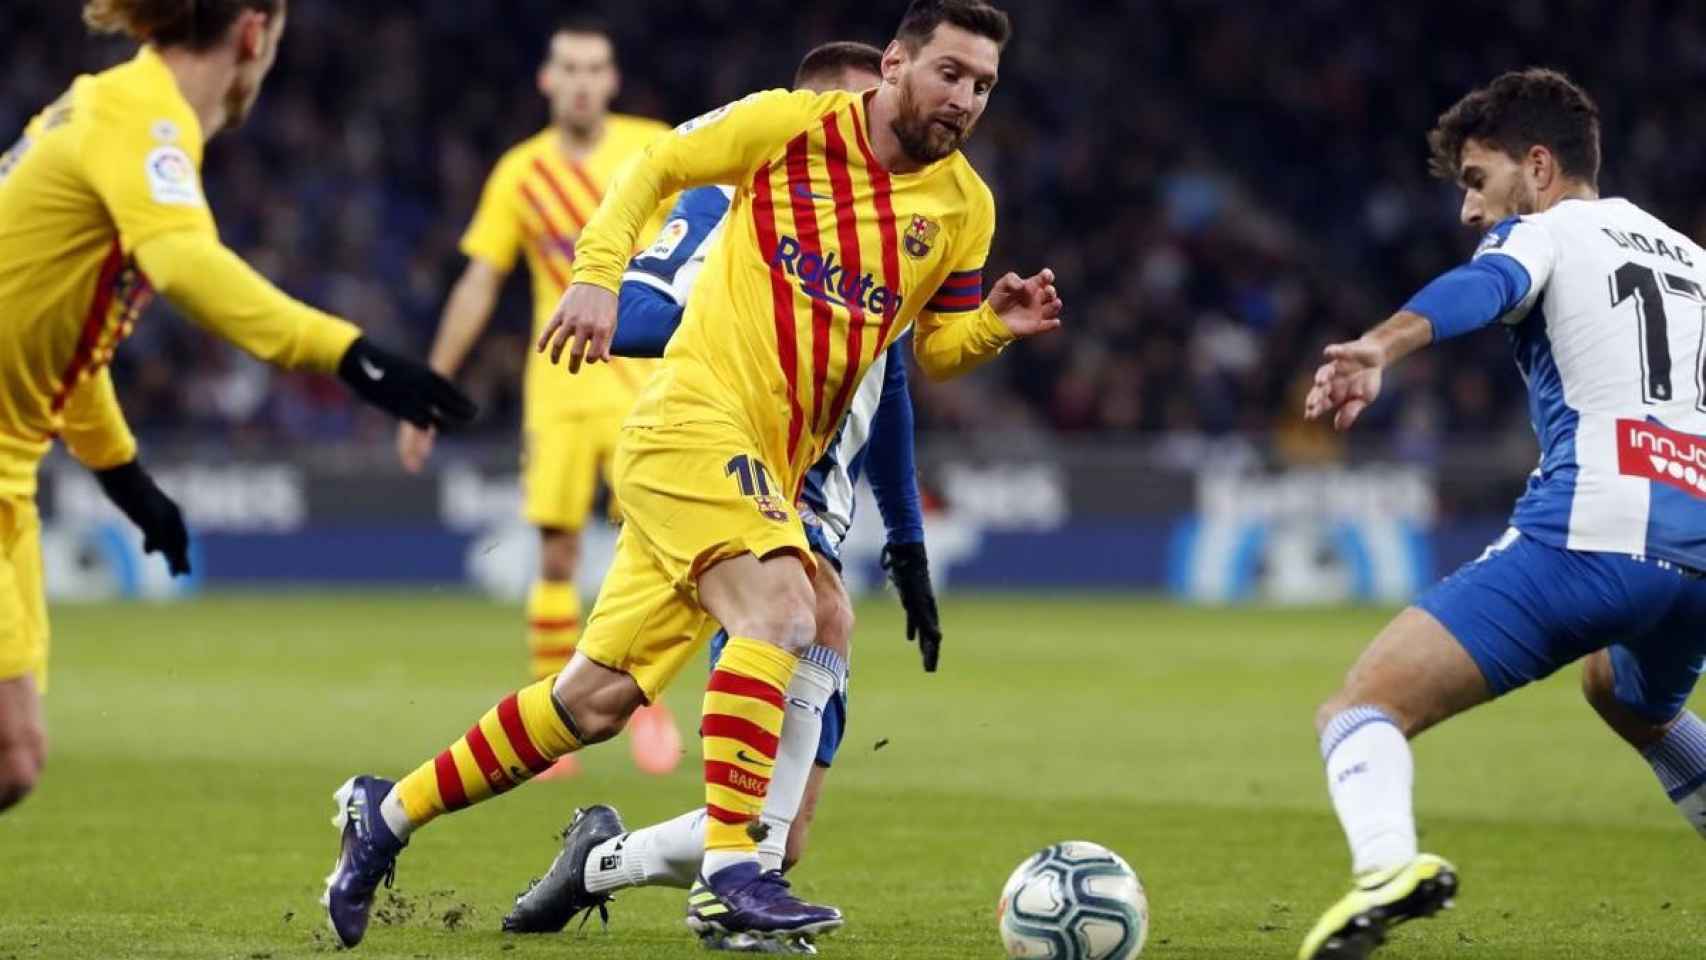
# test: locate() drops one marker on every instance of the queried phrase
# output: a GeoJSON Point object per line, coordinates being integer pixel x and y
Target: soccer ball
{"type": "Point", "coordinates": [1074, 901]}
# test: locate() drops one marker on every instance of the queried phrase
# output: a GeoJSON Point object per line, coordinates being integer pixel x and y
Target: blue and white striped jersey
{"type": "Point", "coordinates": [1608, 321]}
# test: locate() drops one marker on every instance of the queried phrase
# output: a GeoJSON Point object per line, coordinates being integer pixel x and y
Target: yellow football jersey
{"type": "Point", "coordinates": [536, 202]}
{"type": "Point", "coordinates": [110, 164]}
{"type": "Point", "coordinates": [827, 258]}
{"type": "Point", "coordinates": [108, 169]}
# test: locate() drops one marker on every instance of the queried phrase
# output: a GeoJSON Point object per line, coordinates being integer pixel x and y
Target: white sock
{"type": "Point", "coordinates": [815, 681]}
{"type": "Point", "coordinates": [391, 811]}
{"type": "Point", "coordinates": [1680, 762]}
{"type": "Point", "coordinates": [1369, 774]}
{"type": "Point", "coordinates": [664, 854]}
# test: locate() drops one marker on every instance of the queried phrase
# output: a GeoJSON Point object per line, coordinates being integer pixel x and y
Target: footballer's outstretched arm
{"type": "Point", "coordinates": [216, 289]}
{"type": "Point", "coordinates": [947, 345]}
{"type": "Point", "coordinates": [1501, 283]}
{"type": "Point", "coordinates": [153, 194]}
{"type": "Point", "coordinates": [219, 291]}
{"type": "Point", "coordinates": [959, 328]}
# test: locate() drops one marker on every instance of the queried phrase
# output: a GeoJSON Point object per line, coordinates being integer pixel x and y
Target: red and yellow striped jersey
{"type": "Point", "coordinates": [827, 258]}
{"type": "Point", "coordinates": [535, 203]}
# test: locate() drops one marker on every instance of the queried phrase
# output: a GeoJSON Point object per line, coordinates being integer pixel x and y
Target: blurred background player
{"type": "Point", "coordinates": [1606, 555]}
{"type": "Point", "coordinates": [100, 209]}
{"type": "Point", "coordinates": [752, 390]}
{"type": "Point", "coordinates": [876, 439]}
{"type": "Point", "coordinates": [539, 196]}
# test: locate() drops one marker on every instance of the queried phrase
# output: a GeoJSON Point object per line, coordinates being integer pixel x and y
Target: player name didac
{"type": "Point", "coordinates": [1630, 240]}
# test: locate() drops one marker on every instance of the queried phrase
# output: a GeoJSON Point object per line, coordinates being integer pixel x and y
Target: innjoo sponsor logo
{"type": "Point", "coordinates": [1667, 456]}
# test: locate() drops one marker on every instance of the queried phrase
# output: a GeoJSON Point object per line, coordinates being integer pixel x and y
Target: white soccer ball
{"type": "Point", "coordinates": [1074, 901]}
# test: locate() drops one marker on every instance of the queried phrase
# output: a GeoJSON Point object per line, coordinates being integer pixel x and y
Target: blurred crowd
{"type": "Point", "coordinates": [1222, 188]}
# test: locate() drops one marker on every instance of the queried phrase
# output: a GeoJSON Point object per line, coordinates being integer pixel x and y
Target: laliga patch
{"type": "Point", "coordinates": [668, 241]}
{"type": "Point", "coordinates": [172, 177]}
{"type": "Point", "coordinates": [1652, 452]}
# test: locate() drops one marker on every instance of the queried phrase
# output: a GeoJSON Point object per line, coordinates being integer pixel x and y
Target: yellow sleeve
{"type": "Point", "coordinates": [495, 233]}
{"type": "Point", "coordinates": [217, 290]}
{"type": "Point", "coordinates": [956, 330]}
{"type": "Point", "coordinates": [146, 169]}
{"type": "Point", "coordinates": [723, 146]}
{"type": "Point", "coordinates": [660, 216]}
{"type": "Point", "coordinates": [94, 429]}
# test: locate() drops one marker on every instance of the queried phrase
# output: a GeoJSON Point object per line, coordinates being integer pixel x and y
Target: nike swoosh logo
{"type": "Point", "coordinates": [373, 372]}
{"type": "Point", "coordinates": [741, 755]}
{"type": "Point", "coordinates": [805, 194]}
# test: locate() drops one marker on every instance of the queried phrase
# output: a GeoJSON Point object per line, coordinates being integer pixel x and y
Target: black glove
{"type": "Point", "coordinates": [403, 388]}
{"type": "Point", "coordinates": [132, 490]}
{"type": "Point", "coordinates": [909, 570]}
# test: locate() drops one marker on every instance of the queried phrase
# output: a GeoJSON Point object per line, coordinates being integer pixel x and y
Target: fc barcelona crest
{"type": "Point", "coordinates": [920, 236]}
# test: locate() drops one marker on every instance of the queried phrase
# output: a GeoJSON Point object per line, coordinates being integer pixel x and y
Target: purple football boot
{"type": "Point", "coordinates": [367, 856]}
{"type": "Point", "coordinates": [743, 903]}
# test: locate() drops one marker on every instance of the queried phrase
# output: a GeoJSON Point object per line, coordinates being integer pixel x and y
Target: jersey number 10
{"type": "Point", "coordinates": [1649, 287]}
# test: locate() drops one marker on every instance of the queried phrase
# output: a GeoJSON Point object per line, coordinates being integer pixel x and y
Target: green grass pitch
{"type": "Point", "coordinates": [186, 807]}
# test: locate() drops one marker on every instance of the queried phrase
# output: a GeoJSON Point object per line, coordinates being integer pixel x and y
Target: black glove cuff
{"type": "Point", "coordinates": [905, 557]}
{"type": "Point", "coordinates": [349, 366]}
{"type": "Point", "coordinates": [126, 478]}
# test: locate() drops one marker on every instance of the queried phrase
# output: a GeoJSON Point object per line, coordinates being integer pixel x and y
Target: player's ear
{"type": "Point", "coordinates": [1541, 166]}
{"type": "Point", "coordinates": [894, 58]}
{"type": "Point", "coordinates": [252, 32]}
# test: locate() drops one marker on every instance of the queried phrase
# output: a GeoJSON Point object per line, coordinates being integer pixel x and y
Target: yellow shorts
{"type": "Point", "coordinates": [561, 463]}
{"type": "Point", "coordinates": [23, 605]}
{"type": "Point", "coordinates": [691, 495]}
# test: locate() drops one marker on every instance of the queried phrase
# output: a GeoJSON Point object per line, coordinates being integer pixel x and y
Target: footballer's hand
{"type": "Point", "coordinates": [584, 323]}
{"type": "Point", "coordinates": [404, 388]}
{"type": "Point", "coordinates": [134, 492]}
{"type": "Point", "coordinates": [1347, 383]}
{"type": "Point", "coordinates": [1028, 305]}
{"type": "Point", "coordinates": [909, 569]}
{"type": "Point", "coordinates": [414, 446]}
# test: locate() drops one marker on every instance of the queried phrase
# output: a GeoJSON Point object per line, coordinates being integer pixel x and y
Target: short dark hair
{"type": "Point", "coordinates": [195, 24]}
{"type": "Point", "coordinates": [924, 16]}
{"type": "Point", "coordinates": [1519, 110]}
{"type": "Point", "coordinates": [584, 25]}
{"type": "Point", "coordinates": [838, 57]}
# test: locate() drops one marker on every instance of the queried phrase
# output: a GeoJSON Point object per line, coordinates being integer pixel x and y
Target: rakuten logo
{"type": "Point", "coordinates": [1655, 453]}
{"type": "Point", "coordinates": [823, 278]}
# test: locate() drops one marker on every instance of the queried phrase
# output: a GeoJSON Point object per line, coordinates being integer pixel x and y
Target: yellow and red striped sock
{"type": "Point", "coordinates": [553, 626]}
{"type": "Point", "coordinates": [516, 740]}
{"type": "Point", "coordinates": [741, 724]}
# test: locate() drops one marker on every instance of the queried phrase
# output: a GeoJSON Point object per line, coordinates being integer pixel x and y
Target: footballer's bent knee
{"type": "Point", "coordinates": [835, 623]}
{"type": "Point", "coordinates": [787, 620]}
{"type": "Point", "coordinates": [1599, 688]}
